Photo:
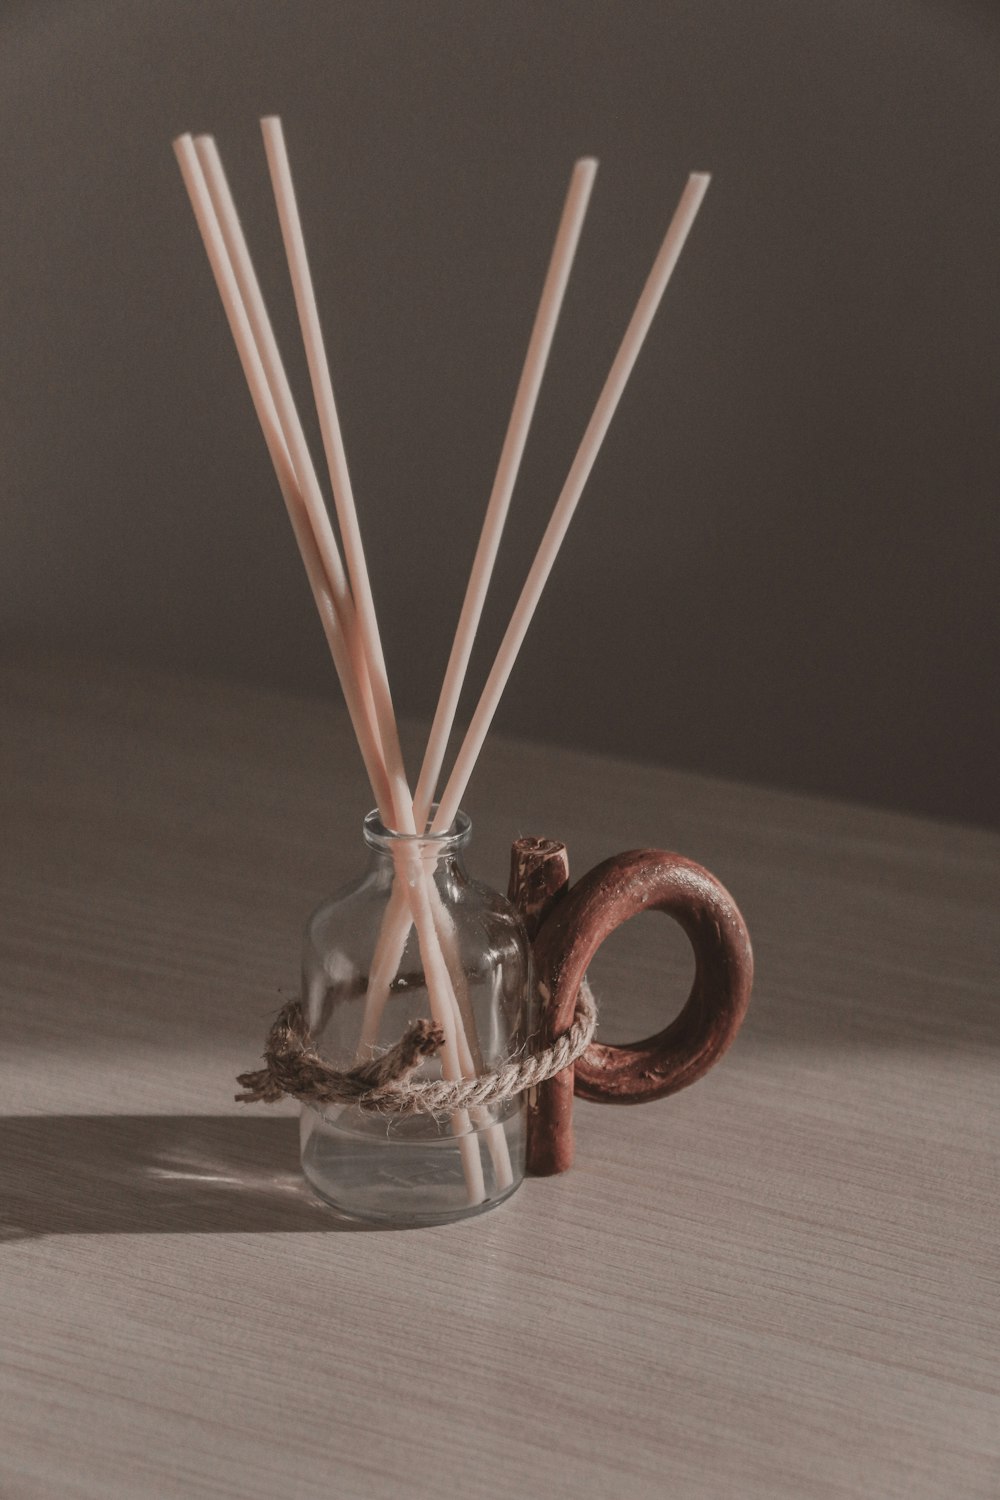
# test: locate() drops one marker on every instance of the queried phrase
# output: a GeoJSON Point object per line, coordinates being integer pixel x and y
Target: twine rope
{"type": "Point", "coordinates": [295, 1068]}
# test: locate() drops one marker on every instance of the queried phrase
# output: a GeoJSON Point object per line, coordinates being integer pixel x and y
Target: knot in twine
{"type": "Point", "coordinates": [295, 1068]}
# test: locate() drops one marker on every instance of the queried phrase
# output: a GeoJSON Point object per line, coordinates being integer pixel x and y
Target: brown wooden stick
{"type": "Point", "coordinates": [539, 879]}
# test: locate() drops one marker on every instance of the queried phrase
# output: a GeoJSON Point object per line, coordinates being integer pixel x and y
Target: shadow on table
{"type": "Point", "coordinates": [154, 1174]}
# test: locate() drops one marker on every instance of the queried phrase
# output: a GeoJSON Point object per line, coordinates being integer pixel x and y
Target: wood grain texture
{"type": "Point", "coordinates": [779, 1284]}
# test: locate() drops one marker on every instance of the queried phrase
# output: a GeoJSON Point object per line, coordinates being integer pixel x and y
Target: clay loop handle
{"type": "Point", "coordinates": [567, 926]}
{"type": "Point", "coordinates": [644, 880]}
{"type": "Point", "coordinates": [574, 929]}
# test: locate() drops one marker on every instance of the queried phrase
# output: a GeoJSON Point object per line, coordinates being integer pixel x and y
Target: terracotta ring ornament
{"type": "Point", "coordinates": [567, 940]}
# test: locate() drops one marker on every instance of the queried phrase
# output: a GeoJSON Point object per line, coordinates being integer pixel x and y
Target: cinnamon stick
{"type": "Point", "coordinates": [539, 879]}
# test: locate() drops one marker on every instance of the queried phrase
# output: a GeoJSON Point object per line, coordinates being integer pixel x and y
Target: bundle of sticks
{"type": "Point", "coordinates": [343, 595]}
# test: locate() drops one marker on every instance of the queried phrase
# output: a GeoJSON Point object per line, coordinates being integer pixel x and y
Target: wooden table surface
{"type": "Point", "coordinates": [780, 1283]}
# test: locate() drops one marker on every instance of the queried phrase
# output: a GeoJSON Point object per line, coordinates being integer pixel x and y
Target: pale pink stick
{"type": "Point", "coordinates": [396, 923]}
{"type": "Point", "coordinates": [305, 299]}
{"type": "Point", "coordinates": [470, 1054]}
{"type": "Point", "coordinates": [444, 1009]}
{"type": "Point", "coordinates": [340, 479]}
{"type": "Point", "coordinates": [288, 417]}
{"type": "Point", "coordinates": [536, 359]}
{"type": "Point", "coordinates": [392, 937]}
{"type": "Point", "coordinates": [395, 929]}
{"type": "Point", "coordinates": [656, 285]}
{"type": "Point", "coordinates": [267, 415]}
{"type": "Point", "coordinates": [260, 324]}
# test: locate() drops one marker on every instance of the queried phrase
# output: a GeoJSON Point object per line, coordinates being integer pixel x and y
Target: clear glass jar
{"type": "Point", "coordinates": [416, 937]}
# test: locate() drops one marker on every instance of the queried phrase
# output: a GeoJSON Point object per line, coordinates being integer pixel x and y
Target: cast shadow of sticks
{"type": "Point", "coordinates": [155, 1174]}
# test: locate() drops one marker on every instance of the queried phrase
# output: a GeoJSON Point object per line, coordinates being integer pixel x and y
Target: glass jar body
{"type": "Point", "coordinates": [416, 937]}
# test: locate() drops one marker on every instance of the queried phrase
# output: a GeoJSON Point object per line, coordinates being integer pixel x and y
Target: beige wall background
{"type": "Point", "coordinates": [783, 568]}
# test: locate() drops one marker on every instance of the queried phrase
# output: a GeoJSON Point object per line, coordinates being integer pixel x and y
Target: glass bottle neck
{"type": "Point", "coordinates": [397, 855]}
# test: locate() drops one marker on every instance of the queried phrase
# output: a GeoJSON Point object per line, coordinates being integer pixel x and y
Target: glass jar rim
{"type": "Point", "coordinates": [378, 836]}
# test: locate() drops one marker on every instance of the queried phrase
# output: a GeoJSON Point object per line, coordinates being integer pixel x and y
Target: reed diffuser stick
{"type": "Point", "coordinates": [443, 1004]}
{"type": "Point", "coordinates": [340, 479]}
{"type": "Point", "coordinates": [392, 937]}
{"type": "Point", "coordinates": [539, 345]}
{"type": "Point", "coordinates": [649, 300]}
{"type": "Point", "coordinates": [288, 417]}
{"type": "Point", "coordinates": [267, 416]}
